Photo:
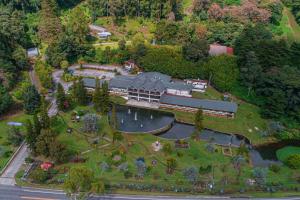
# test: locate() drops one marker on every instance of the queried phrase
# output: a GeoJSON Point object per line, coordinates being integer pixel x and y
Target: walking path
{"type": "Point", "coordinates": [8, 175]}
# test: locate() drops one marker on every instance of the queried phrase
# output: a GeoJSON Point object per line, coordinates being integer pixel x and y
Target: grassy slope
{"type": "Point", "coordinates": [20, 117]}
{"type": "Point", "coordinates": [289, 27]}
{"type": "Point", "coordinates": [247, 118]}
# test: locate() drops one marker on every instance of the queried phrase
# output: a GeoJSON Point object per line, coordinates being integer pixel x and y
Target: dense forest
{"type": "Point", "coordinates": [265, 69]}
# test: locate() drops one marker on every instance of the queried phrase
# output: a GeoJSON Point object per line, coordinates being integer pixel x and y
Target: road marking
{"type": "Point", "coordinates": [36, 198]}
{"type": "Point", "coordinates": [43, 192]}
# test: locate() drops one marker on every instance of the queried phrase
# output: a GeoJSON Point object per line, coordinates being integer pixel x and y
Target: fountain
{"type": "Point", "coordinates": [129, 111]}
{"type": "Point", "coordinates": [151, 117]}
{"type": "Point", "coordinates": [142, 125]}
{"type": "Point", "coordinates": [135, 116]}
{"type": "Point", "coordinates": [122, 121]}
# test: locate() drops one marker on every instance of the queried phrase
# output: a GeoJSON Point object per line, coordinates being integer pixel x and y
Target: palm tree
{"type": "Point", "coordinates": [171, 165]}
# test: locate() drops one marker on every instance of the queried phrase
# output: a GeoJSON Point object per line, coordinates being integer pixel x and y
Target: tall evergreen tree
{"type": "Point", "coordinates": [44, 118]}
{"type": "Point", "coordinates": [251, 71]}
{"type": "Point", "coordinates": [60, 97]}
{"type": "Point", "coordinates": [81, 92]}
{"type": "Point", "coordinates": [97, 96]}
{"type": "Point", "coordinates": [105, 102]}
{"type": "Point", "coordinates": [31, 100]}
{"type": "Point", "coordinates": [30, 136]}
{"type": "Point", "coordinates": [199, 120]}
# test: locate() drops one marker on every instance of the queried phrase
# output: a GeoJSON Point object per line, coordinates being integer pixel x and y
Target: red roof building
{"type": "Point", "coordinates": [46, 166]}
{"type": "Point", "coordinates": [217, 49]}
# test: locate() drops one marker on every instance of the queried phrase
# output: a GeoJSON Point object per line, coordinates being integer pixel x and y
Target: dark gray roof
{"type": "Point", "coordinates": [121, 82]}
{"type": "Point", "coordinates": [179, 85]}
{"type": "Point", "coordinates": [199, 103]}
{"type": "Point", "coordinates": [153, 81]}
{"type": "Point", "coordinates": [91, 82]}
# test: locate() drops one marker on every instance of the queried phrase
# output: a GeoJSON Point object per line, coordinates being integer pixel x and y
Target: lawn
{"type": "Point", "coordinates": [132, 147]}
{"type": "Point", "coordinates": [4, 145]}
{"type": "Point", "coordinates": [284, 153]}
{"type": "Point", "coordinates": [128, 27]}
{"type": "Point", "coordinates": [247, 121]}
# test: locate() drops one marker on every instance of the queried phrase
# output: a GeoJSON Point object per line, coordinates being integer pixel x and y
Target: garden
{"type": "Point", "coordinates": [127, 162]}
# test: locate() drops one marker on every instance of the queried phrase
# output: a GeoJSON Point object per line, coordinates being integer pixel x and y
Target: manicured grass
{"type": "Point", "coordinates": [284, 153]}
{"type": "Point", "coordinates": [210, 93]}
{"type": "Point", "coordinates": [247, 121]}
{"type": "Point", "coordinates": [20, 117]}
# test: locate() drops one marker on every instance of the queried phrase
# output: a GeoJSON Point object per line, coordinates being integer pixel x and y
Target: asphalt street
{"type": "Point", "coordinates": [26, 193]}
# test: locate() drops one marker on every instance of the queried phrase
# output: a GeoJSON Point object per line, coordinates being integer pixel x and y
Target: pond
{"type": "Point", "coordinates": [139, 120]}
{"type": "Point", "coordinates": [265, 155]}
{"type": "Point", "coordinates": [133, 120]}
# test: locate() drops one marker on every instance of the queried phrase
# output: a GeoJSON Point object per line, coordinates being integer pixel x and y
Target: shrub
{"type": "Point", "coordinates": [127, 174]}
{"type": "Point", "coordinates": [167, 148]}
{"type": "Point", "coordinates": [39, 176]}
{"type": "Point", "coordinates": [293, 161]}
{"type": "Point", "coordinates": [274, 168]}
{"type": "Point", "coordinates": [179, 154]}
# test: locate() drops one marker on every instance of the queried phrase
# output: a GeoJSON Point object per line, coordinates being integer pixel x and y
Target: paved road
{"type": "Point", "coordinates": [8, 176]}
{"type": "Point", "coordinates": [25, 193]}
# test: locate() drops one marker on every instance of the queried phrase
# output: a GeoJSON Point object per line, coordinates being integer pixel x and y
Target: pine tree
{"type": "Point", "coordinates": [44, 118]}
{"type": "Point", "coordinates": [97, 96]}
{"type": "Point", "coordinates": [251, 71]}
{"type": "Point", "coordinates": [30, 136]}
{"type": "Point", "coordinates": [105, 98]}
{"type": "Point", "coordinates": [114, 122]}
{"type": "Point", "coordinates": [31, 100]}
{"type": "Point", "coordinates": [199, 120]}
{"type": "Point", "coordinates": [60, 97]}
{"type": "Point", "coordinates": [79, 92]}
{"type": "Point", "coordinates": [36, 125]}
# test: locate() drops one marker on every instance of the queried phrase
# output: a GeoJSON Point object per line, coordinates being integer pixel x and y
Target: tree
{"type": "Point", "coordinates": [191, 174]}
{"type": "Point", "coordinates": [199, 120]}
{"type": "Point", "coordinates": [77, 24]}
{"type": "Point", "coordinates": [79, 92]}
{"type": "Point", "coordinates": [122, 44]}
{"type": "Point", "coordinates": [105, 102]}
{"type": "Point", "coordinates": [260, 176]}
{"type": "Point", "coordinates": [58, 152]}
{"type": "Point", "coordinates": [167, 148]}
{"type": "Point", "coordinates": [31, 100]}
{"type": "Point", "coordinates": [97, 96]}
{"type": "Point", "coordinates": [116, 9]}
{"type": "Point", "coordinates": [171, 165]}
{"type": "Point", "coordinates": [44, 142]}
{"type": "Point", "coordinates": [238, 162]}
{"type": "Point", "coordinates": [49, 25]}
{"type": "Point", "coordinates": [6, 100]}
{"type": "Point", "coordinates": [44, 118]}
{"type": "Point", "coordinates": [215, 12]}
{"type": "Point", "coordinates": [15, 136]}
{"type": "Point", "coordinates": [117, 136]}
{"type": "Point", "coordinates": [113, 119]}
{"type": "Point", "coordinates": [79, 182]}
{"type": "Point", "coordinates": [222, 71]}
{"type": "Point", "coordinates": [250, 73]}
{"type": "Point", "coordinates": [32, 133]}
{"type": "Point", "coordinates": [141, 168]}
{"type": "Point", "coordinates": [200, 6]}
{"type": "Point", "coordinates": [293, 161]}
{"type": "Point", "coordinates": [196, 50]}
{"type": "Point", "coordinates": [61, 97]}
